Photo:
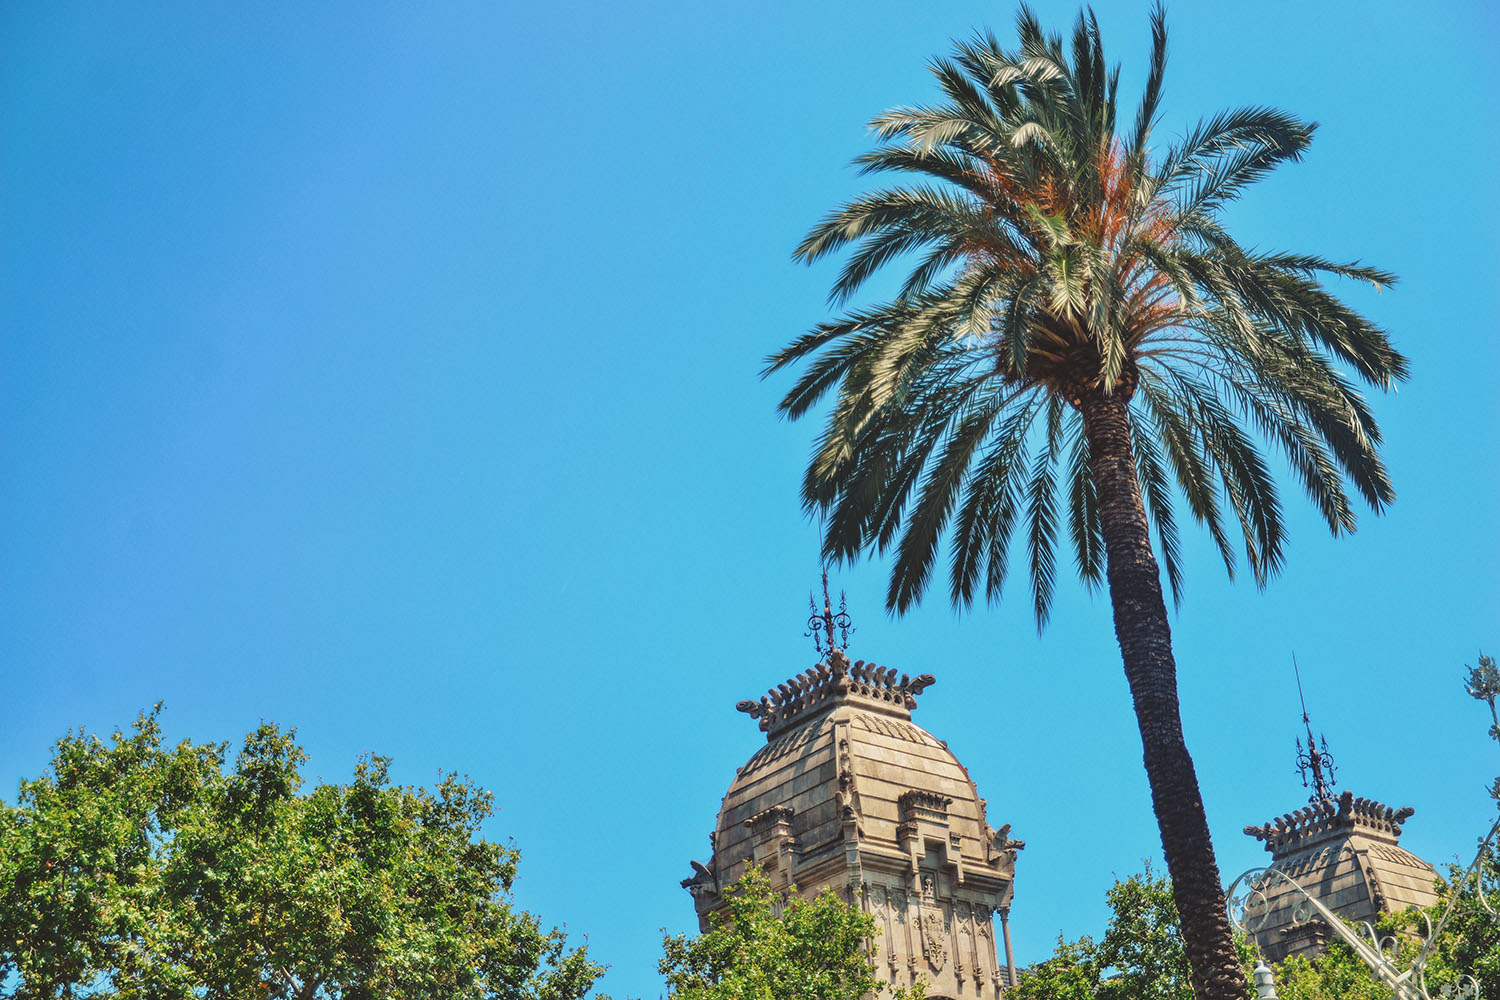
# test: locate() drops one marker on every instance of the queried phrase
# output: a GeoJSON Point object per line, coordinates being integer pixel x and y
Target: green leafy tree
{"type": "Point", "coordinates": [1335, 974]}
{"type": "Point", "coordinates": [1469, 942]}
{"type": "Point", "coordinates": [1079, 340]}
{"type": "Point", "coordinates": [1140, 954]}
{"type": "Point", "coordinates": [135, 870]}
{"type": "Point", "coordinates": [1072, 973]}
{"type": "Point", "coordinates": [1142, 945]}
{"type": "Point", "coordinates": [760, 949]}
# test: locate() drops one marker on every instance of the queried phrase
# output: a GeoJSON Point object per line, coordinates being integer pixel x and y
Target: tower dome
{"type": "Point", "coordinates": [1342, 851]}
{"type": "Point", "coordinates": [1345, 853]}
{"type": "Point", "coordinates": [849, 793]}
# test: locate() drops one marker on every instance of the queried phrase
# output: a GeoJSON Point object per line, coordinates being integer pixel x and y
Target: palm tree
{"type": "Point", "coordinates": [1078, 331]}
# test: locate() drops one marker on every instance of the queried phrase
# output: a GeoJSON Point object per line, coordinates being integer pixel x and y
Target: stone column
{"type": "Point", "coordinates": [1010, 959]}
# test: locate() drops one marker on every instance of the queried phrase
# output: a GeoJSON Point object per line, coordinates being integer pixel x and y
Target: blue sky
{"type": "Point", "coordinates": [390, 371]}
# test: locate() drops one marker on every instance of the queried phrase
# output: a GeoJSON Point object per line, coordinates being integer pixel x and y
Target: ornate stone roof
{"type": "Point", "coordinates": [835, 682]}
{"type": "Point", "coordinates": [1327, 819]}
{"type": "Point", "coordinates": [1345, 853]}
{"type": "Point", "coordinates": [848, 792]}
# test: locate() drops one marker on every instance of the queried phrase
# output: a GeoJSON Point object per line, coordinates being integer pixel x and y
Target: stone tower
{"type": "Point", "coordinates": [1345, 854]}
{"type": "Point", "coordinates": [1342, 851]}
{"type": "Point", "coordinates": [848, 793]}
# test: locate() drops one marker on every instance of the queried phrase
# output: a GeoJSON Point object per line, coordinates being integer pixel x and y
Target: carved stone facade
{"type": "Point", "coordinates": [1344, 852]}
{"type": "Point", "coordinates": [848, 793]}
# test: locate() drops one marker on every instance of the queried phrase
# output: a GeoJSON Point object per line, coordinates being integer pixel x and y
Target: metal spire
{"type": "Point", "coordinates": [821, 624]}
{"type": "Point", "coordinates": [1314, 759]}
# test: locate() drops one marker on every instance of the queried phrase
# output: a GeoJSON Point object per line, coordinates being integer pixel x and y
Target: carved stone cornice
{"type": "Point", "coordinates": [775, 821]}
{"type": "Point", "coordinates": [831, 683]}
{"type": "Point", "coordinates": [1327, 818]}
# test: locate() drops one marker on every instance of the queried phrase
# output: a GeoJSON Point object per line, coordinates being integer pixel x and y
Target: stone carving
{"type": "Point", "coordinates": [920, 684]}
{"type": "Point", "coordinates": [882, 904]}
{"type": "Point", "coordinates": [894, 728]}
{"type": "Point", "coordinates": [836, 678]}
{"type": "Point", "coordinates": [1002, 848]}
{"type": "Point", "coordinates": [983, 920]}
{"type": "Point", "coordinates": [920, 804]}
{"type": "Point", "coordinates": [847, 795]}
{"type": "Point", "coordinates": [1005, 843]}
{"type": "Point", "coordinates": [786, 744]}
{"type": "Point", "coordinates": [1325, 817]}
{"type": "Point", "coordinates": [933, 940]}
{"type": "Point", "coordinates": [704, 879]}
{"type": "Point", "coordinates": [776, 819]}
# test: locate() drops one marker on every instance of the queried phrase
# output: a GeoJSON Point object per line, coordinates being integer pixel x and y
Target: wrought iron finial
{"type": "Point", "coordinates": [1318, 761]}
{"type": "Point", "coordinates": [822, 624]}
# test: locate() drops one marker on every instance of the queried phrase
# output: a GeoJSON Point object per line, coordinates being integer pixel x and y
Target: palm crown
{"type": "Point", "coordinates": [1052, 258]}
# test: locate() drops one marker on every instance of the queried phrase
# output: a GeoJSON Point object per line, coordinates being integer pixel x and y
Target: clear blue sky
{"type": "Point", "coordinates": [390, 371]}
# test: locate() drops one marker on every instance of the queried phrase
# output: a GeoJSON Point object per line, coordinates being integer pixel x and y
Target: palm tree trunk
{"type": "Point", "coordinates": [1146, 644]}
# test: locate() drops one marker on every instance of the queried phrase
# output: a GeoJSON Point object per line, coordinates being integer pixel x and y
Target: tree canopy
{"type": "Point", "coordinates": [764, 948]}
{"type": "Point", "coordinates": [133, 869]}
{"type": "Point", "coordinates": [1140, 954]}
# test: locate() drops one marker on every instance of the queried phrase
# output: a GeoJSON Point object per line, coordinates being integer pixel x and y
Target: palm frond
{"type": "Point", "coordinates": [986, 520]}
{"type": "Point", "coordinates": [1157, 493]}
{"type": "Point", "coordinates": [1228, 132]}
{"type": "Point", "coordinates": [1041, 514]}
{"type": "Point", "coordinates": [945, 164]}
{"type": "Point", "coordinates": [1083, 514]}
{"type": "Point", "coordinates": [1145, 116]}
{"type": "Point", "coordinates": [940, 489]}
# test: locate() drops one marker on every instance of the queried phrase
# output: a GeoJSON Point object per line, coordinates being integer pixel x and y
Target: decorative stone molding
{"type": "Point", "coordinates": [925, 822]}
{"type": "Point", "coordinates": [704, 882]}
{"type": "Point", "coordinates": [1326, 818]}
{"type": "Point", "coordinates": [919, 804]}
{"type": "Point", "coordinates": [846, 797]}
{"type": "Point", "coordinates": [776, 821]}
{"type": "Point", "coordinates": [772, 843]}
{"type": "Point", "coordinates": [831, 682]}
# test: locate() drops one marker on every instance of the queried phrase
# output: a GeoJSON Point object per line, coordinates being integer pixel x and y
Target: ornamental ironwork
{"type": "Point", "coordinates": [1317, 761]}
{"type": "Point", "coordinates": [822, 624]}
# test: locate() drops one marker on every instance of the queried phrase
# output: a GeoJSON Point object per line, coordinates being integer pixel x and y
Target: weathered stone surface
{"type": "Point", "coordinates": [848, 793]}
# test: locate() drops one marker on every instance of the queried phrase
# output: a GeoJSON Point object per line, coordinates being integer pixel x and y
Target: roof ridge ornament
{"type": "Point", "coordinates": [836, 681]}
{"type": "Point", "coordinates": [1313, 759]}
{"type": "Point", "coordinates": [821, 624]}
{"type": "Point", "coordinates": [1346, 814]}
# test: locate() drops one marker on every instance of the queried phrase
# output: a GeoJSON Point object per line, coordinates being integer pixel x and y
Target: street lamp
{"type": "Point", "coordinates": [1265, 983]}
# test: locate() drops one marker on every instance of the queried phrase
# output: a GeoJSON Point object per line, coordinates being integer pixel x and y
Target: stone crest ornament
{"type": "Point", "coordinates": [932, 934]}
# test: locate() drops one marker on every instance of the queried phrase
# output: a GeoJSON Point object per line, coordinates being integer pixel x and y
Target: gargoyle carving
{"type": "Point", "coordinates": [920, 683]}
